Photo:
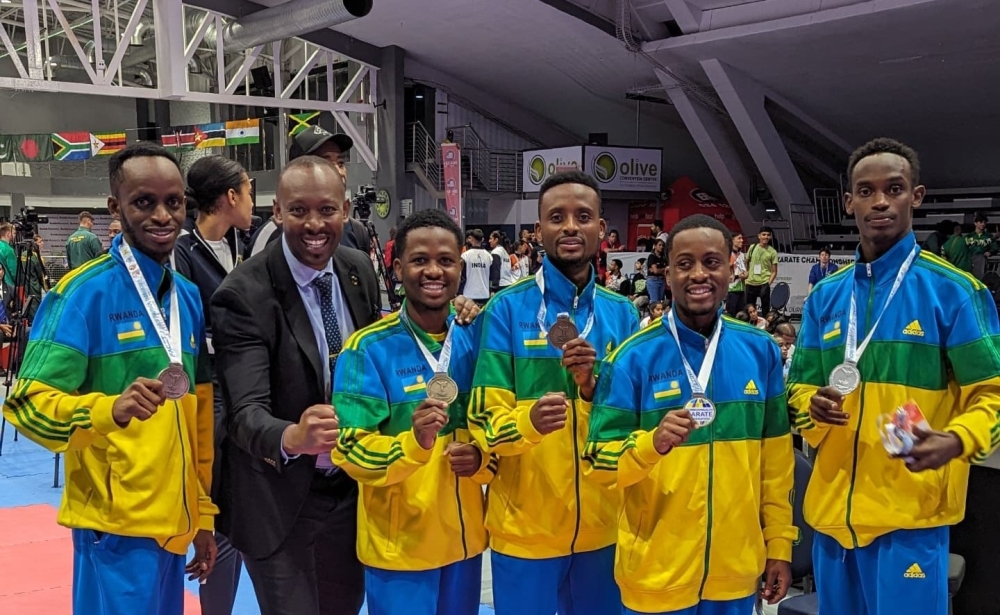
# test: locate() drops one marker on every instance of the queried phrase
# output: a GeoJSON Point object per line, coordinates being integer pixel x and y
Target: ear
{"type": "Point", "coordinates": [233, 196]}
{"type": "Point", "coordinates": [538, 231]}
{"type": "Point", "coordinates": [604, 227]}
{"type": "Point", "coordinates": [918, 196]}
{"type": "Point", "coordinates": [847, 204]}
{"type": "Point", "coordinates": [397, 267]}
{"type": "Point", "coordinates": [276, 211]}
{"type": "Point", "coordinates": [113, 207]}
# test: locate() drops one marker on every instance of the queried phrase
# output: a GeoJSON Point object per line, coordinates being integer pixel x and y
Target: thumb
{"type": "Point", "coordinates": [920, 434]}
{"type": "Point", "coordinates": [451, 446]}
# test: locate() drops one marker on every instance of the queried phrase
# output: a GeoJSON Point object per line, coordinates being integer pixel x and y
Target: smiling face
{"type": "Point", "coordinates": [149, 201]}
{"type": "Point", "coordinates": [882, 200]}
{"type": "Point", "coordinates": [698, 274]}
{"type": "Point", "coordinates": [430, 267]}
{"type": "Point", "coordinates": [309, 208]}
{"type": "Point", "coordinates": [570, 225]}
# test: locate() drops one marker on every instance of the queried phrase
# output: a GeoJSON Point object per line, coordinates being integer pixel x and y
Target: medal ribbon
{"type": "Point", "coordinates": [853, 352]}
{"type": "Point", "coordinates": [170, 338]}
{"type": "Point", "coordinates": [543, 311]}
{"type": "Point", "coordinates": [439, 365]}
{"type": "Point", "coordinates": [699, 383]}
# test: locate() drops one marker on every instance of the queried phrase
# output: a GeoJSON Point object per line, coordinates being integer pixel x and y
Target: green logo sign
{"type": "Point", "coordinates": [382, 204]}
{"type": "Point", "coordinates": [536, 170]}
{"type": "Point", "coordinates": [605, 168]}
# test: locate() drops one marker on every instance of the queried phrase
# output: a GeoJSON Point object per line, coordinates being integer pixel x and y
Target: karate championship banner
{"type": "Point", "coordinates": [451, 161]}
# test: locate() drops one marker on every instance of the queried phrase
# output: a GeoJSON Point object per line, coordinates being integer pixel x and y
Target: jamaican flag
{"type": "Point", "coordinates": [298, 122]}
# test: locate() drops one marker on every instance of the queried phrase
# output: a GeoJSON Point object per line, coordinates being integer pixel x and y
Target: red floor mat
{"type": "Point", "coordinates": [36, 564]}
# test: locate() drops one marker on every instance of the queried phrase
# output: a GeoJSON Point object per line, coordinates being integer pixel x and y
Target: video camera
{"type": "Point", "coordinates": [363, 201]}
{"type": "Point", "coordinates": [26, 222]}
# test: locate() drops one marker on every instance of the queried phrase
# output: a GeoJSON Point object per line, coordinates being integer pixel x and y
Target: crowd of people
{"type": "Point", "coordinates": [218, 414]}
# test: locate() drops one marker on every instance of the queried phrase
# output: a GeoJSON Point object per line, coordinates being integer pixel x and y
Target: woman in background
{"type": "Point", "coordinates": [220, 190]}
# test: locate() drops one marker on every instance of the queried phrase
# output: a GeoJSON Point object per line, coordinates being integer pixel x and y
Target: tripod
{"type": "Point", "coordinates": [383, 275]}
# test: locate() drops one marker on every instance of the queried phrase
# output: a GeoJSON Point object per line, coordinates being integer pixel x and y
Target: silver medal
{"type": "Point", "coordinates": [845, 378]}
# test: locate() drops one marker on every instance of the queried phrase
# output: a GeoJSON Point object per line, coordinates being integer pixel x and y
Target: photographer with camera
{"type": "Point", "coordinates": [316, 141]}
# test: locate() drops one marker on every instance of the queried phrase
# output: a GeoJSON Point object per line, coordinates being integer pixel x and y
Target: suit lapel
{"type": "Point", "coordinates": [350, 284]}
{"type": "Point", "coordinates": [295, 310]}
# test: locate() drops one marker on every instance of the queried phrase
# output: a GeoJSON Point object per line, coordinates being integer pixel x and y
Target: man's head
{"type": "Point", "coordinates": [613, 237]}
{"type": "Point", "coordinates": [147, 195]}
{"type": "Point", "coordinates": [981, 221]}
{"type": "Point", "coordinates": [39, 242]}
{"type": "Point", "coordinates": [639, 264]}
{"type": "Point", "coordinates": [6, 231]}
{"type": "Point", "coordinates": [764, 236]}
{"type": "Point", "coordinates": [698, 251]}
{"type": "Point", "coordinates": [316, 141]}
{"type": "Point", "coordinates": [885, 188]}
{"type": "Point", "coordinates": [615, 266]}
{"type": "Point", "coordinates": [474, 238]}
{"type": "Point", "coordinates": [86, 220]}
{"type": "Point", "coordinates": [824, 256]}
{"type": "Point", "coordinates": [429, 259]}
{"type": "Point", "coordinates": [737, 242]}
{"type": "Point", "coordinates": [569, 219]}
{"type": "Point", "coordinates": [657, 227]}
{"type": "Point", "coordinates": [114, 229]}
{"type": "Point", "coordinates": [309, 207]}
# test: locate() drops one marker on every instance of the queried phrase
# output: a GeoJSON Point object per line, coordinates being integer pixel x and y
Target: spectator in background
{"type": "Point", "coordinates": [478, 271]}
{"type": "Point", "coordinates": [956, 250]}
{"type": "Point", "coordinates": [935, 241]}
{"type": "Point", "coordinates": [615, 275]}
{"type": "Point", "coordinates": [114, 229]}
{"type": "Point", "coordinates": [979, 241]}
{"type": "Point", "coordinates": [656, 310]}
{"type": "Point", "coordinates": [608, 246]}
{"type": "Point", "coordinates": [785, 334]}
{"type": "Point", "coordinates": [754, 317]}
{"type": "Point", "coordinates": [636, 286]}
{"type": "Point", "coordinates": [737, 298]}
{"type": "Point", "coordinates": [83, 245]}
{"type": "Point", "coordinates": [656, 268]}
{"type": "Point", "coordinates": [821, 269]}
{"type": "Point", "coordinates": [762, 269]}
{"type": "Point", "coordinates": [7, 255]}
{"type": "Point", "coordinates": [501, 262]}
{"type": "Point", "coordinates": [658, 232]}
{"type": "Point", "coordinates": [388, 254]}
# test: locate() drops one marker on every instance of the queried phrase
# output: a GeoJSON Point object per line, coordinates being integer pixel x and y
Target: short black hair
{"type": "Point", "coordinates": [568, 177]}
{"type": "Point", "coordinates": [209, 178]}
{"type": "Point", "coordinates": [825, 250]}
{"type": "Point", "coordinates": [981, 217]}
{"type": "Point", "coordinates": [142, 149]}
{"type": "Point", "coordinates": [885, 145]}
{"type": "Point", "coordinates": [699, 221]}
{"type": "Point", "coordinates": [425, 218]}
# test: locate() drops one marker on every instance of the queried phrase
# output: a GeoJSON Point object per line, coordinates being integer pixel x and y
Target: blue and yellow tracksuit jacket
{"type": "Point", "coordinates": [699, 522]}
{"type": "Point", "coordinates": [414, 512]}
{"type": "Point", "coordinates": [92, 339]}
{"type": "Point", "coordinates": [540, 505]}
{"type": "Point", "coordinates": [936, 344]}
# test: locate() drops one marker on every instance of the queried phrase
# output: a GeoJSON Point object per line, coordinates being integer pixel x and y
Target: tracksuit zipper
{"type": "Point", "coordinates": [575, 392]}
{"type": "Point", "coordinates": [711, 488]}
{"type": "Point", "coordinates": [861, 413]}
{"type": "Point", "coordinates": [461, 517]}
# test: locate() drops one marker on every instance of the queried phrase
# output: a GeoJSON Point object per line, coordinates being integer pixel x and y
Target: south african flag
{"type": "Point", "coordinates": [71, 145]}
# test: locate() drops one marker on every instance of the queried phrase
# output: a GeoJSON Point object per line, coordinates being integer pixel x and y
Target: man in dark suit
{"type": "Point", "coordinates": [279, 322]}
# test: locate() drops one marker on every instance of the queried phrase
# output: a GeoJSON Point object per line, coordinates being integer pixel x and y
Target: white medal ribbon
{"type": "Point", "coordinates": [699, 383]}
{"type": "Point", "coordinates": [439, 365]}
{"type": "Point", "coordinates": [853, 352]}
{"type": "Point", "coordinates": [543, 311]}
{"type": "Point", "coordinates": [170, 338]}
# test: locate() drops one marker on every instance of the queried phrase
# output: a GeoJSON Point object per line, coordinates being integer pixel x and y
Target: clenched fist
{"type": "Point", "coordinates": [139, 401]}
{"type": "Point", "coordinates": [316, 432]}
{"type": "Point", "coordinates": [673, 431]}
{"type": "Point", "coordinates": [549, 413]}
{"type": "Point", "coordinates": [428, 419]}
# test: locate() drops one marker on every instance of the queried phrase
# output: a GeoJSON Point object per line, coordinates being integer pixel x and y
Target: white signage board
{"type": "Point", "coordinates": [624, 169]}
{"type": "Point", "coordinates": [539, 165]}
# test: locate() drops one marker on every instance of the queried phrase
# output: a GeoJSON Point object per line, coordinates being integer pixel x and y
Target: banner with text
{"type": "Point", "coordinates": [451, 163]}
{"type": "Point", "coordinates": [539, 164]}
{"type": "Point", "coordinates": [793, 269]}
{"type": "Point", "coordinates": [624, 169]}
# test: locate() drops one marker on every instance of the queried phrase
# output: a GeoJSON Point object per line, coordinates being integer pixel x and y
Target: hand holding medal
{"type": "Point", "coordinates": [826, 407]}
{"type": "Point", "coordinates": [673, 430]}
{"type": "Point", "coordinates": [428, 420]}
{"type": "Point", "coordinates": [579, 358]}
{"type": "Point", "coordinates": [907, 435]}
{"type": "Point", "coordinates": [139, 401]}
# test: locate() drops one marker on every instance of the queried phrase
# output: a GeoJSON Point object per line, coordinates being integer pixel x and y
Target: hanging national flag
{"type": "Point", "coordinates": [242, 132]}
{"type": "Point", "coordinates": [181, 137]}
{"type": "Point", "coordinates": [299, 122]}
{"type": "Point", "coordinates": [26, 148]}
{"type": "Point", "coordinates": [209, 135]}
{"type": "Point", "coordinates": [106, 143]}
{"type": "Point", "coordinates": [71, 145]}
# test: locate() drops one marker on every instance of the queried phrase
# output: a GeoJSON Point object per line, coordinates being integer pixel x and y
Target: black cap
{"type": "Point", "coordinates": [310, 140]}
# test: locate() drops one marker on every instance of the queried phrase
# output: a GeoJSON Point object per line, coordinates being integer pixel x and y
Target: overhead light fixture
{"type": "Point", "coordinates": [419, 97]}
{"type": "Point", "coordinates": [6, 1]}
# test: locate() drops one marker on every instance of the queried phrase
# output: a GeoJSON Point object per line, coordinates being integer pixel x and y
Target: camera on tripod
{"type": "Point", "coordinates": [363, 201]}
{"type": "Point", "coordinates": [26, 222]}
